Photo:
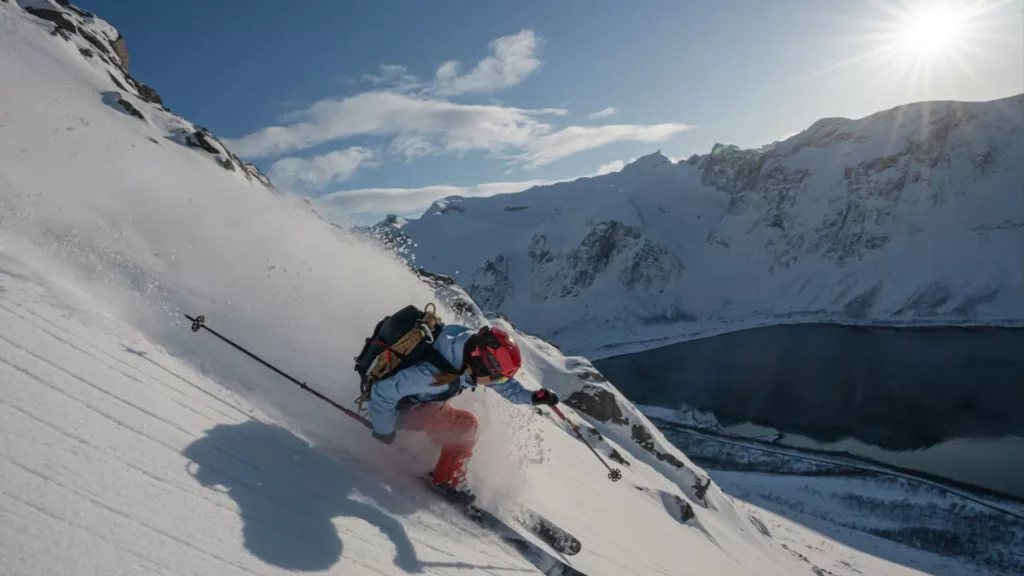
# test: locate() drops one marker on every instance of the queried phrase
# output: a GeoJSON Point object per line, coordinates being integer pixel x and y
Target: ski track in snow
{"type": "Point", "coordinates": [80, 426]}
{"type": "Point", "coordinates": [93, 468]}
{"type": "Point", "coordinates": [119, 459]}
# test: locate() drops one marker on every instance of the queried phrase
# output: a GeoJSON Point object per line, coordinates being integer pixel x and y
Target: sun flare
{"type": "Point", "coordinates": [930, 31]}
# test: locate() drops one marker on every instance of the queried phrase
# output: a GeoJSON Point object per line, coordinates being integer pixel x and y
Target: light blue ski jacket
{"type": "Point", "coordinates": [415, 382]}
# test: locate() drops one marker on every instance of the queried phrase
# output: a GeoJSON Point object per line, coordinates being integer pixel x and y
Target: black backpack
{"type": "Point", "coordinates": [399, 341]}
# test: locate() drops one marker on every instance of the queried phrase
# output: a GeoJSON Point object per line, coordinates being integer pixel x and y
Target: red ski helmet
{"type": "Point", "coordinates": [496, 355]}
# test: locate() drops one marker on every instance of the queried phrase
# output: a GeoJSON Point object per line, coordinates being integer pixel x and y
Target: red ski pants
{"type": "Point", "coordinates": [454, 430]}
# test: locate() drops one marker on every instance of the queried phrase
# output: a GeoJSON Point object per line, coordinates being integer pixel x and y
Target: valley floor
{"type": "Point", "coordinates": [866, 505]}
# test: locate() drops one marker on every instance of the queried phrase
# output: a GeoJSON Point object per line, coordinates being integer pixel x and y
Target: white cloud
{"type": "Point", "coordinates": [423, 126]}
{"type": "Point", "coordinates": [421, 123]}
{"type": "Point", "coordinates": [395, 78]}
{"type": "Point", "coordinates": [513, 59]}
{"type": "Point", "coordinates": [347, 205]}
{"type": "Point", "coordinates": [447, 125]}
{"type": "Point", "coordinates": [364, 204]}
{"type": "Point", "coordinates": [609, 111]}
{"type": "Point", "coordinates": [613, 166]}
{"type": "Point", "coordinates": [319, 171]}
{"type": "Point", "coordinates": [573, 139]}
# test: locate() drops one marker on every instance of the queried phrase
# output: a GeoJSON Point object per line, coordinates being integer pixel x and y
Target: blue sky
{"type": "Point", "coordinates": [362, 104]}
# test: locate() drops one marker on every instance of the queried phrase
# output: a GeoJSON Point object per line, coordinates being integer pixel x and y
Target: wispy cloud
{"type": "Point", "coordinates": [573, 139]}
{"type": "Point", "coordinates": [423, 126]}
{"type": "Point", "coordinates": [419, 121]}
{"type": "Point", "coordinates": [513, 59]}
{"type": "Point", "coordinates": [319, 171]}
{"type": "Point", "coordinates": [609, 111]}
{"type": "Point", "coordinates": [613, 166]}
{"type": "Point", "coordinates": [449, 126]}
{"type": "Point", "coordinates": [395, 78]}
{"type": "Point", "coordinates": [347, 205]}
{"type": "Point", "coordinates": [352, 205]}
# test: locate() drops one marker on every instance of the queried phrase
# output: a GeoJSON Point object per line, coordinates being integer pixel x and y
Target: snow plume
{"type": "Point", "coordinates": [154, 230]}
{"type": "Point", "coordinates": [126, 217]}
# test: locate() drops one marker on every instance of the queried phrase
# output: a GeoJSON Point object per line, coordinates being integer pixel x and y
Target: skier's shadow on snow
{"type": "Point", "coordinates": [288, 493]}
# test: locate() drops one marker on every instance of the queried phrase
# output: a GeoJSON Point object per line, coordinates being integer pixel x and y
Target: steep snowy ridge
{"type": "Point", "coordinates": [129, 444]}
{"type": "Point", "coordinates": [106, 51]}
{"type": "Point", "coordinates": [912, 216]}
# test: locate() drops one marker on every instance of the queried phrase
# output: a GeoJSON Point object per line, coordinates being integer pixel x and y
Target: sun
{"type": "Point", "coordinates": [923, 49]}
{"type": "Point", "coordinates": [930, 31]}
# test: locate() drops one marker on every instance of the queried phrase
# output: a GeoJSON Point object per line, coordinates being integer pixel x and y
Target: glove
{"type": "Point", "coordinates": [386, 438]}
{"type": "Point", "coordinates": [544, 397]}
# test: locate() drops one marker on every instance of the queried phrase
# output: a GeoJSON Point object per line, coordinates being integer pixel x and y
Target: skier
{"type": "Point", "coordinates": [415, 398]}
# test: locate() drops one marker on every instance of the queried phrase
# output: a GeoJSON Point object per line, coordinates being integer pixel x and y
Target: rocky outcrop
{"type": "Point", "coordinates": [102, 45]}
{"type": "Point", "coordinates": [129, 107]}
{"type": "Point", "coordinates": [598, 403]}
{"type": "Point", "coordinates": [650, 268]}
{"type": "Point", "coordinates": [641, 264]}
{"type": "Point", "coordinates": [121, 49]}
{"type": "Point", "coordinates": [732, 170]}
{"type": "Point", "coordinates": [490, 284]}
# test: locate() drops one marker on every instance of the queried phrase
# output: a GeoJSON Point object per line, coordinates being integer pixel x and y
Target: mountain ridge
{"type": "Point", "coordinates": [910, 216]}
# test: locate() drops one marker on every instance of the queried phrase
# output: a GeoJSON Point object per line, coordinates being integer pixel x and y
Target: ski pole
{"type": "Point", "coordinates": [200, 322]}
{"type": "Point", "coordinates": [614, 474]}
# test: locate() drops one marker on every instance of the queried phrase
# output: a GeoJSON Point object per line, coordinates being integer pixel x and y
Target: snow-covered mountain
{"type": "Point", "coordinates": [911, 216]}
{"type": "Point", "coordinates": [129, 444]}
{"type": "Point", "coordinates": [102, 46]}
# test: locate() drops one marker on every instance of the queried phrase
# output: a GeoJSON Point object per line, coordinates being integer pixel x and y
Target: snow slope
{"type": "Point", "coordinates": [911, 216]}
{"type": "Point", "coordinates": [131, 445]}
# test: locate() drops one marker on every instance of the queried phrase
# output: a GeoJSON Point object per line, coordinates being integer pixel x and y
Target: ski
{"type": "Point", "coordinates": [549, 532]}
{"type": "Point", "coordinates": [558, 539]}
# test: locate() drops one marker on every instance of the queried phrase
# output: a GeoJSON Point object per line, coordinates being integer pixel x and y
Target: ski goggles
{"type": "Point", "coordinates": [484, 363]}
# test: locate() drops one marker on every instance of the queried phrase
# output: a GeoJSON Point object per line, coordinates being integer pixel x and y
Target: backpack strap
{"type": "Point", "coordinates": [430, 354]}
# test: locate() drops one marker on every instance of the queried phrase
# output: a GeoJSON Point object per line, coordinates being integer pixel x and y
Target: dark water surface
{"type": "Point", "coordinates": [899, 389]}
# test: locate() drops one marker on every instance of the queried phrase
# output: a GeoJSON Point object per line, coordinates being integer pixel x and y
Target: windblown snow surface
{"type": "Point", "coordinates": [130, 445]}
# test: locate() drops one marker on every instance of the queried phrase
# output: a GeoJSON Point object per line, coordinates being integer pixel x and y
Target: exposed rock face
{"type": "Point", "coordinates": [641, 264]}
{"type": "Point", "coordinates": [597, 403]}
{"type": "Point", "coordinates": [130, 108]}
{"type": "Point", "coordinates": [121, 49]}
{"type": "Point", "coordinates": [490, 285]}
